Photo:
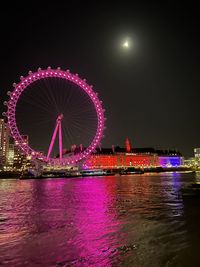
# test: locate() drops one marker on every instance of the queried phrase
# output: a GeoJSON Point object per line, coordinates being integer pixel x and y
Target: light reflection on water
{"type": "Point", "coordinates": [135, 220]}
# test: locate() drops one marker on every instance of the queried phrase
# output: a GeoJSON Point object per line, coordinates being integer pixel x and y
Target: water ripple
{"type": "Point", "coordinates": [106, 221]}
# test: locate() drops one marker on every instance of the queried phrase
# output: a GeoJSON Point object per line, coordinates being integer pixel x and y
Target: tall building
{"type": "Point", "coordinates": [10, 157]}
{"type": "Point", "coordinates": [4, 142]}
{"type": "Point", "coordinates": [197, 157]}
{"type": "Point", "coordinates": [197, 153]}
{"type": "Point", "coordinates": [17, 162]}
{"type": "Point", "coordinates": [20, 159]}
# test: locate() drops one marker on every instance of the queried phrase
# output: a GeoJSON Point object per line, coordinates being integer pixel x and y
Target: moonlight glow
{"type": "Point", "coordinates": [126, 44]}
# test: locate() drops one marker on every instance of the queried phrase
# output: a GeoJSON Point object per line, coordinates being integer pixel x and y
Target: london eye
{"type": "Point", "coordinates": [61, 114]}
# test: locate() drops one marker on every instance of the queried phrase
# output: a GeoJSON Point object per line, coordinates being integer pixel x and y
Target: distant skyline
{"type": "Point", "coordinates": [150, 91]}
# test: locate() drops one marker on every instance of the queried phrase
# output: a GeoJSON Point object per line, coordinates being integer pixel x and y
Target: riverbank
{"type": "Point", "coordinates": [99, 172]}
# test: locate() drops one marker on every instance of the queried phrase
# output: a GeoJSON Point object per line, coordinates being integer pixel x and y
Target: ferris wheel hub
{"type": "Point", "coordinates": [60, 117]}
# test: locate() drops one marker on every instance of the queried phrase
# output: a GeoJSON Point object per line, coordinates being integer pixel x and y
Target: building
{"type": "Point", "coordinates": [194, 162]}
{"type": "Point", "coordinates": [4, 143]}
{"type": "Point", "coordinates": [197, 157]}
{"type": "Point", "coordinates": [119, 158]}
{"type": "Point", "coordinates": [21, 161]}
{"type": "Point", "coordinates": [10, 157]}
{"type": "Point", "coordinates": [197, 153]}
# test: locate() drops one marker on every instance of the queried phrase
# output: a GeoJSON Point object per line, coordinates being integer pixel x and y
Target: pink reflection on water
{"type": "Point", "coordinates": [63, 222]}
{"type": "Point", "coordinates": [95, 223]}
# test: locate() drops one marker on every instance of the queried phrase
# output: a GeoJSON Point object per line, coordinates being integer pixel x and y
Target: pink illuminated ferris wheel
{"type": "Point", "coordinates": [64, 112]}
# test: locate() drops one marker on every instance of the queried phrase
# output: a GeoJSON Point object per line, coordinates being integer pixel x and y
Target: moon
{"type": "Point", "coordinates": [125, 44]}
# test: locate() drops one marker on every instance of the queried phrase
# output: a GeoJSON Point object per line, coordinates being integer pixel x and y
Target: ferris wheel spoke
{"type": "Point", "coordinates": [34, 102]}
{"type": "Point", "coordinates": [46, 94]}
{"type": "Point", "coordinates": [74, 134]}
{"type": "Point", "coordinates": [68, 135]}
{"type": "Point", "coordinates": [50, 94]}
{"type": "Point", "coordinates": [83, 116]}
{"type": "Point", "coordinates": [37, 106]}
{"type": "Point", "coordinates": [41, 95]}
{"type": "Point", "coordinates": [83, 129]}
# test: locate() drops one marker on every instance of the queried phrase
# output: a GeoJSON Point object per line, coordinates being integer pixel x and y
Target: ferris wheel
{"type": "Point", "coordinates": [64, 92]}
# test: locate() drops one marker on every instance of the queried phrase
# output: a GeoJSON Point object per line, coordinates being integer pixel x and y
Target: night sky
{"type": "Point", "coordinates": [150, 92]}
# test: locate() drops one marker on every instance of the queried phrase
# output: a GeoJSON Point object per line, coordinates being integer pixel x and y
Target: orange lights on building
{"type": "Point", "coordinates": [122, 160]}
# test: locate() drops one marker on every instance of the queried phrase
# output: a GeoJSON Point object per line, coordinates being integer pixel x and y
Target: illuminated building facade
{"type": "Point", "coordinates": [197, 157]}
{"type": "Point", "coordinates": [4, 142]}
{"type": "Point", "coordinates": [10, 156]}
{"type": "Point", "coordinates": [197, 153]}
{"type": "Point", "coordinates": [20, 159]}
{"type": "Point", "coordinates": [170, 161]}
{"type": "Point", "coordinates": [194, 162]}
{"type": "Point", "coordinates": [121, 161]}
{"type": "Point", "coordinates": [138, 158]}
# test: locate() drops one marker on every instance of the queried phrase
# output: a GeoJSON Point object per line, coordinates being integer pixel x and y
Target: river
{"type": "Point", "coordinates": [138, 220]}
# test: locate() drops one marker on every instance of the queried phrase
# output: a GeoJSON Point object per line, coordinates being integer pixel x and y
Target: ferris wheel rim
{"type": "Point", "coordinates": [44, 74]}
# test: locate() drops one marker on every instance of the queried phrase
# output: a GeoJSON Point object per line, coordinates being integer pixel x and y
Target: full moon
{"type": "Point", "coordinates": [125, 44]}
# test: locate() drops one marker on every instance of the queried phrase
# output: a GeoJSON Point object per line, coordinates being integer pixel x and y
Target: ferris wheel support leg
{"type": "Point", "coordinates": [52, 141]}
{"type": "Point", "coordinates": [60, 140]}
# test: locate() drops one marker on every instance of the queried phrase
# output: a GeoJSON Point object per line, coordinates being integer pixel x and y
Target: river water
{"type": "Point", "coordinates": [138, 220]}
